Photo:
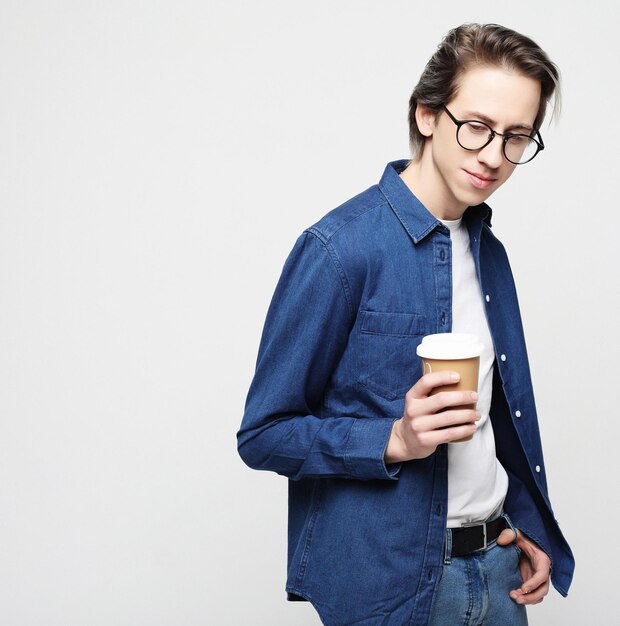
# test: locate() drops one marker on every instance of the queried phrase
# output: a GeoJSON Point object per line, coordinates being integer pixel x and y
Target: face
{"type": "Point", "coordinates": [457, 178]}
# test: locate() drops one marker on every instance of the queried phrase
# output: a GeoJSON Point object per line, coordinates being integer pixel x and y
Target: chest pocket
{"type": "Point", "coordinates": [387, 360]}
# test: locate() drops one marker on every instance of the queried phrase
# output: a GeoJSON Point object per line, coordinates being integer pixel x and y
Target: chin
{"type": "Point", "coordinates": [476, 197]}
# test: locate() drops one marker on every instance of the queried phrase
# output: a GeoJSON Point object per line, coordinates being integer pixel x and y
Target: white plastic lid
{"type": "Point", "coordinates": [449, 346]}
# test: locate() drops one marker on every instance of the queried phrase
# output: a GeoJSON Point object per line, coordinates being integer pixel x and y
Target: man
{"type": "Point", "coordinates": [392, 521]}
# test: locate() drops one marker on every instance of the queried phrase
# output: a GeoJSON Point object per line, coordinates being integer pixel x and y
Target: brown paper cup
{"type": "Point", "coordinates": [467, 367]}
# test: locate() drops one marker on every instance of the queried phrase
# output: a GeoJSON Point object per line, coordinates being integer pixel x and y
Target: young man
{"type": "Point", "coordinates": [392, 521]}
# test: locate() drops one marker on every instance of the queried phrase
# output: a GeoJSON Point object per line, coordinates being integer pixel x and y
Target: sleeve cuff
{"type": "Point", "coordinates": [365, 450]}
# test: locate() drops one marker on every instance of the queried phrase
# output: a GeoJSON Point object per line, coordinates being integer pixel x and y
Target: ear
{"type": "Point", "coordinates": [425, 119]}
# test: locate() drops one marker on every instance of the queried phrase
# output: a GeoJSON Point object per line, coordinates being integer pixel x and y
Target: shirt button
{"type": "Point", "coordinates": [538, 468]}
{"type": "Point", "coordinates": [443, 318]}
{"type": "Point", "coordinates": [518, 413]}
{"type": "Point", "coordinates": [442, 255]}
{"type": "Point", "coordinates": [503, 357]}
{"type": "Point", "coordinates": [487, 298]}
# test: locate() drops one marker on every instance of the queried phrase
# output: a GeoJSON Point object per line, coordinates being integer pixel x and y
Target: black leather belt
{"type": "Point", "coordinates": [473, 537]}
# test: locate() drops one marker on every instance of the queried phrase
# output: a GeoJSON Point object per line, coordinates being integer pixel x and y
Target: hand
{"type": "Point", "coordinates": [534, 566]}
{"type": "Point", "coordinates": [426, 423]}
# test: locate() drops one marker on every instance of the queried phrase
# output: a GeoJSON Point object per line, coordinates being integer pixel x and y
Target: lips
{"type": "Point", "coordinates": [479, 181]}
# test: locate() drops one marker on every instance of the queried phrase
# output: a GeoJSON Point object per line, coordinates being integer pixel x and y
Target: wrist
{"type": "Point", "coordinates": [395, 451]}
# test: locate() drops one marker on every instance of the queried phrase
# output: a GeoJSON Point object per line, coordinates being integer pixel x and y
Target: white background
{"type": "Point", "coordinates": [157, 162]}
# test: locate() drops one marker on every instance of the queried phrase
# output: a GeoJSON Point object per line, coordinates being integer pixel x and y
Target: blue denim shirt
{"type": "Point", "coordinates": [357, 294]}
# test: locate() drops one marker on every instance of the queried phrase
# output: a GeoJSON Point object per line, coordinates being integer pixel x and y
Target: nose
{"type": "Point", "coordinates": [492, 154]}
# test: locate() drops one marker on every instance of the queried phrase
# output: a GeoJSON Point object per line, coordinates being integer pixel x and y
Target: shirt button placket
{"type": "Point", "coordinates": [442, 257]}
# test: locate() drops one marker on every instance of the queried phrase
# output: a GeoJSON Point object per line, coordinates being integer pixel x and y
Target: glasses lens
{"type": "Point", "coordinates": [520, 148]}
{"type": "Point", "coordinates": [473, 135]}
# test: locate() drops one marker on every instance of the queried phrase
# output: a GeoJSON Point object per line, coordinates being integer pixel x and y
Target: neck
{"type": "Point", "coordinates": [424, 181]}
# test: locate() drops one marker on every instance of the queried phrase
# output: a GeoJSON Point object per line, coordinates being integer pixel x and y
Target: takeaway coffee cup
{"type": "Point", "coordinates": [455, 352]}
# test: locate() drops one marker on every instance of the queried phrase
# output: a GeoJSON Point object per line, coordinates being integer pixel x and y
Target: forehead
{"type": "Point", "coordinates": [504, 96]}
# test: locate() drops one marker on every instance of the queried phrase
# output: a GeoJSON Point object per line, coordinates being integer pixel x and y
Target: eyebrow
{"type": "Point", "coordinates": [484, 118]}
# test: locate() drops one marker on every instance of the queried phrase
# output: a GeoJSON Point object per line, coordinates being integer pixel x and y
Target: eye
{"type": "Point", "coordinates": [518, 140]}
{"type": "Point", "coordinates": [477, 128]}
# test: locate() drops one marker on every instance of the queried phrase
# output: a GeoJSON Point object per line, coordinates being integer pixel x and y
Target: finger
{"type": "Point", "coordinates": [535, 565]}
{"type": "Point", "coordinates": [506, 537]}
{"type": "Point", "coordinates": [422, 423]}
{"type": "Point", "coordinates": [428, 382]}
{"type": "Point", "coordinates": [534, 576]}
{"type": "Point", "coordinates": [434, 438]}
{"type": "Point", "coordinates": [447, 419]}
{"type": "Point", "coordinates": [441, 406]}
{"type": "Point", "coordinates": [539, 578]}
{"type": "Point", "coordinates": [534, 597]}
{"type": "Point", "coordinates": [447, 399]}
{"type": "Point", "coordinates": [456, 433]}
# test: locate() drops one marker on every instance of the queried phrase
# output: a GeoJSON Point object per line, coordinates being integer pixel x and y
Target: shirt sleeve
{"type": "Point", "coordinates": [305, 335]}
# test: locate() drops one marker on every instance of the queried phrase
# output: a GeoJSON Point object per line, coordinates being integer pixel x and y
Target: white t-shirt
{"type": "Point", "coordinates": [477, 482]}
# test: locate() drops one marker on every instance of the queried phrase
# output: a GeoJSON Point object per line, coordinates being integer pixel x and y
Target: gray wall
{"type": "Point", "coordinates": [157, 161]}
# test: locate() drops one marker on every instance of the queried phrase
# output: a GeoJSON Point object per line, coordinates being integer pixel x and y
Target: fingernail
{"type": "Point", "coordinates": [454, 376]}
{"type": "Point", "coordinates": [474, 395]}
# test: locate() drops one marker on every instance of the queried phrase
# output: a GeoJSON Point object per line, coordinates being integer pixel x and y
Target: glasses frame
{"type": "Point", "coordinates": [538, 140]}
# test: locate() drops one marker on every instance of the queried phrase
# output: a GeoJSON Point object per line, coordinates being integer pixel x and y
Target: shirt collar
{"type": "Point", "coordinates": [414, 216]}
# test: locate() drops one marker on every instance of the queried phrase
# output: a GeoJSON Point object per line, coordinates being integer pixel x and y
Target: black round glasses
{"type": "Point", "coordinates": [474, 135]}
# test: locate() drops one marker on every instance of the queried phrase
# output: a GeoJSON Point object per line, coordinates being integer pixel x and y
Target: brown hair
{"type": "Point", "coordinates": [475, 45]}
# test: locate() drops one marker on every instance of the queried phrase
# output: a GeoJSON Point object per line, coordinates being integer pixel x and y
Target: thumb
{"type": "Point", "coordinates": [505, 537]}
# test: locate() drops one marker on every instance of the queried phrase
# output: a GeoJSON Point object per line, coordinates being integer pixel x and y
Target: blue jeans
{"type": "Point", "coordinates": [473, 590]}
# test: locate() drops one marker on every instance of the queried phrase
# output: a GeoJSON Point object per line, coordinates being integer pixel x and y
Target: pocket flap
{"type": "Point", "coordinates": [394, 324]}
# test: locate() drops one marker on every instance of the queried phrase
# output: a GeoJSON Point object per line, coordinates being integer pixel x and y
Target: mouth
{"type": "Point", "coordinates": [479, 181]}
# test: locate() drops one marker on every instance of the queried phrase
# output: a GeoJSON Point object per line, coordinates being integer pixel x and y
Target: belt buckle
{"type": "Point", "coordinates": [483, 526]}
